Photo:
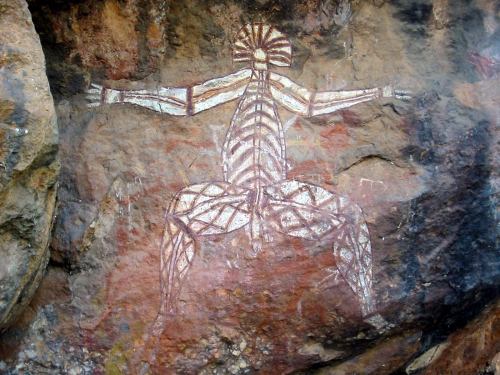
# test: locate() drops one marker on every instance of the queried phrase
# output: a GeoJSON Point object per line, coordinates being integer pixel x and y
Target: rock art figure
{"type": "Point", "coordinates": [255, 192]}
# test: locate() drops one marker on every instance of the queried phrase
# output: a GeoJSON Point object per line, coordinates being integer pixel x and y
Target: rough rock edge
{"type": "Point", "coordinates": [44, 160]}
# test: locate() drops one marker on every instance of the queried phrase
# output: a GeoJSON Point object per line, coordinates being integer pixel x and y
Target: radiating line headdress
{"type": "Point", "coordinates": [262, 44]}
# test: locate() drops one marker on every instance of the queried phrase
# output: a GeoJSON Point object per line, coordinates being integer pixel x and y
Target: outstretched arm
{"type": "Point", "coordinates": [309, 103]}
{"type": "Point", "coordinates": [178, 101]}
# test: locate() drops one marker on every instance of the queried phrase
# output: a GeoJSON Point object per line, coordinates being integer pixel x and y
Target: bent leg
{"type": "Point", "coordinates": [197, 210]}
{"type": "Point", "coordinates": [308, 211]}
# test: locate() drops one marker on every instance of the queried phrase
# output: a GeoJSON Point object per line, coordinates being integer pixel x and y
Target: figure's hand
{"type": "Point", "coordinates": [389, 92]}
{"type": "Point", "coordinates": [98, 95]}
{"type": "Point", "coordinates": [94, 95]}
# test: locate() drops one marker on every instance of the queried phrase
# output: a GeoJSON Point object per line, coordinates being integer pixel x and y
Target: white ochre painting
{"type": "Point", "coordinates": [254, 193]}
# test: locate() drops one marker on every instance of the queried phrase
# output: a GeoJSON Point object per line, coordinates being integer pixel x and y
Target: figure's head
{"type": "Point", "coordinates": [262, 45]}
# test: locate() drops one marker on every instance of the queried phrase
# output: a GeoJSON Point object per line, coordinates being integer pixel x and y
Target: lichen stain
{"type": "Point", "coordinates": [106, 37]}
{"type": "Point", "coordinates": [172, 144]}
{"type": "Point", "coordinates": [313, 170]}
{"type": "Point", "coordinates": [154, 36]}
{"type": "Point", "coordinates": [335, 138]}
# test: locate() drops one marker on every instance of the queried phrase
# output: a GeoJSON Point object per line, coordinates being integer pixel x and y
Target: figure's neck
{"type": "Point", "coordinates": [260, 75]}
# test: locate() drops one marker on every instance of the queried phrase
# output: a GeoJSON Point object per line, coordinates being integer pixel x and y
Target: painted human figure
{"type": "Point", "coordinates": [255, 192]}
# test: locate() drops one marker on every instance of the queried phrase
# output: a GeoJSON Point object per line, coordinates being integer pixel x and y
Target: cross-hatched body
{"type": "Point", "coordinates": [255, 192]}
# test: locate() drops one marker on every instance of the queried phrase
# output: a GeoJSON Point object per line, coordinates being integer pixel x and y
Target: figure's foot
{"type": "Point", "coordinates": [144, 368]}
{"type": "Point", "coordinates": [257, 244]}
{"type": "Point", "coordinates": [158, 327]}
{"type": "Point", "coordinates": [330, 280]}
{"type": "Point", "coordinates": [378, 321]}
{"type": "Point", "coordinates": [146, 356]}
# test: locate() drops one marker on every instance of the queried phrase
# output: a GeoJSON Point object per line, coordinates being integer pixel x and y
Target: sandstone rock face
{"type": "Point", "coordinates": [467, 350]}
{"type": "Point", "coordinates": [28, 166]}
{"type": "Point", "coordinates": [424, 173]}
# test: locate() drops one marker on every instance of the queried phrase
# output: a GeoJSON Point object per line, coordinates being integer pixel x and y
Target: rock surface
{"type": "Point", "coordinates": [425, 173]}
{"type": "Point", "coordinates": [470, 350]}
{"type": "Point", "coordinates": [28, 165]}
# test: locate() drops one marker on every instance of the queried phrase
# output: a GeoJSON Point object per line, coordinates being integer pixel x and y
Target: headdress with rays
{"type": "Point", "coordinates": [262, 45]}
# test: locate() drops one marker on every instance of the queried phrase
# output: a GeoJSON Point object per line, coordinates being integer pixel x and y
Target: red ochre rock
{"type": "Point", "coordinates": [423, 173]}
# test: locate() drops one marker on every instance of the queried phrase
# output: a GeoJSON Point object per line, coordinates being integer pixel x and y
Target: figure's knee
{"type": "Point", "coordinates": [192, 195]}
{"type": "Point", "coordinates": [351, 206]}
{"type": "Point", "coordinates": [185, 198]}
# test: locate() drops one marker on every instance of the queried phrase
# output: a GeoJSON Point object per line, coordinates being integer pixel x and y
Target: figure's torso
{"type": "Point", "coordinates": [254, 149]}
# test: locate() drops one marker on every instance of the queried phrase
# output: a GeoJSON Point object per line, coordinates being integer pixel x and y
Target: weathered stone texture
{"type": "Point", "coordinates": [28, 166]}
{"type": "Point", "coordinates": [470, 350]}
{"type": "Point", "coordinates": [425, 173]}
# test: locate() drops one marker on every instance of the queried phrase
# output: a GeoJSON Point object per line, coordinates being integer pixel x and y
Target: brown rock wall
{"type": "Point", "coordinates": [28, 165]}
{"type": "Point", "coordinates": [423, 173]}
